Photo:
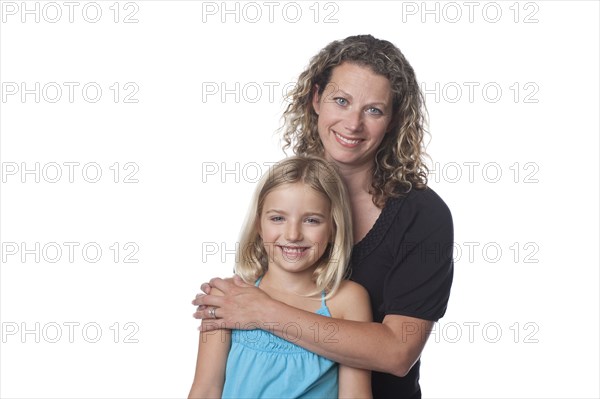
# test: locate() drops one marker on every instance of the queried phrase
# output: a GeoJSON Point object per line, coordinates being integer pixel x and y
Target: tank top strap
{"type": "Point", "coordinates": [323, 310]}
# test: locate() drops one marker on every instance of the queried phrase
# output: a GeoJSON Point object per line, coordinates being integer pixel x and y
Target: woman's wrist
{"type": "Point", "coordinates": [269, 314]}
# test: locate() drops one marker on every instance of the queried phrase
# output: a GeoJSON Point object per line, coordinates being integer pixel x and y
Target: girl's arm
{"type": "Point", "coordinates": [213, 348]}
{"type": "Point", "coordinates": [352, 300]}
{"type": "Point", "coordinates": [392, 347]}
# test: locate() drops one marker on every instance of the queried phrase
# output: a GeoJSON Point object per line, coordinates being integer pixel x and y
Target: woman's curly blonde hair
{"type": "Point", "coordinates": [399, 161]}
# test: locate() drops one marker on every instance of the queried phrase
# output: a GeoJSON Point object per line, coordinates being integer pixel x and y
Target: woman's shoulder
{"type": "Point", "coordinates": [425, 198]}
{"type": "Point", "coordinates": [417, 214]}
{"type": "Point", "coordinates": [423, 202]}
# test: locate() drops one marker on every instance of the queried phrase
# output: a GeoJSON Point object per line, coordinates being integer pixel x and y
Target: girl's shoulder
{"type": "Point", "coordinates": [351, 289]}
{"type": "Point", "coordinates": [351, 301]}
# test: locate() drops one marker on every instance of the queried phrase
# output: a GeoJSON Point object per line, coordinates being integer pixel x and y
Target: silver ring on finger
{"type": "Point", "coordinates": [212, 312]}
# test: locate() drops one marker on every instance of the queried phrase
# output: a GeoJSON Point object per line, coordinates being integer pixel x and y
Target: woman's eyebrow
{"type": "Point", "coordinates": [339, 91]}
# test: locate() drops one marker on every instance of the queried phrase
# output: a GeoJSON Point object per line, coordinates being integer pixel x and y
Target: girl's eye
{"type": "Point", "coordinates": [276, 218]}
{"type": "Point", "coordinates": [313, 220]}
{"type": "Point", "coordinates": [341, 101]}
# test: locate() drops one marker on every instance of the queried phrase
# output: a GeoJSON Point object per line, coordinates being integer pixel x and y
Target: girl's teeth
{"type": "Point", "coordinates": [294, 250]}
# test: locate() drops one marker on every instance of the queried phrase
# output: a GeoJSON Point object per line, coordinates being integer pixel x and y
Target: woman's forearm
{"type": "Point", "coordinates": [391, 347]}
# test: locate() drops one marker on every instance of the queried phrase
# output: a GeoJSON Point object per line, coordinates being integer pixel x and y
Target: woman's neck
{"type": "Point", "coordinates": [357, 179]}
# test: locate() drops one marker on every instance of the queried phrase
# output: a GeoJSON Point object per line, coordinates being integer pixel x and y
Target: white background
{"type": "Point", "coordinates": [518, 168]}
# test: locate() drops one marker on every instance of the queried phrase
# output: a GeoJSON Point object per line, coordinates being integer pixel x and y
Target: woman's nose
{"type": "Point", "coordinates": [353, 121]}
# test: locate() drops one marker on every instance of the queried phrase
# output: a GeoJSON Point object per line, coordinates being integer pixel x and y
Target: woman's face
{"type": "Point", "coordinates": [354, 113]}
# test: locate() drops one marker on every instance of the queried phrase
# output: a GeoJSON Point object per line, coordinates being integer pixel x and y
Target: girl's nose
{"type": "Point", "coordinates": [293, 232]}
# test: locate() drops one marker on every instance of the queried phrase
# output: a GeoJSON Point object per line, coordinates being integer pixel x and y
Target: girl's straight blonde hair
{"type": "Point", "coordinates": [252, 258]}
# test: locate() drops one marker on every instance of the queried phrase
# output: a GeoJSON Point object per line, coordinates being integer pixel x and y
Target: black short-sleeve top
{"type": "Point", "coordinates": [405, 263]}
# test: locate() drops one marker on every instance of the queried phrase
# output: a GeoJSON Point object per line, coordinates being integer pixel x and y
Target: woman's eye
{"type": "Point", "coordinates": [313, 220]}
{"type": "Point", "coordinates": [276, 218]}
{"type": "Point", "coordinates": [375, 111]}
{"type": "Point", "coordinates": [341, 101]}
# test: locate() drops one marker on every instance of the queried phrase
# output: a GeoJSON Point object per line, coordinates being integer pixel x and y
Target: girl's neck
{"type": "Point", "coordinates": [298, 284]}
{"type": "Point", "coordinates": [291, 291]}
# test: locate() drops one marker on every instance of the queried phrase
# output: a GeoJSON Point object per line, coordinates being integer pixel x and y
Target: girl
{"type": "Point", "coordinates": [295, 246]}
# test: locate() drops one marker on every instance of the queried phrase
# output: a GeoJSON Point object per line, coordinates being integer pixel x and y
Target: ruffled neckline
{"type": "Point", "coordinates": [374, 236]}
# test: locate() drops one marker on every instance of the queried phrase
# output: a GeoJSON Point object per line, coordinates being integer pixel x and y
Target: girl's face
{"type": "Point", "coordinates": [295, 226]}
{"type": "Point", "coordinates": [354, 114]}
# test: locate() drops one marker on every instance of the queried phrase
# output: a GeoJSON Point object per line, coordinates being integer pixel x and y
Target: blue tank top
{"type": "Point", "coordinates": [262, 365]}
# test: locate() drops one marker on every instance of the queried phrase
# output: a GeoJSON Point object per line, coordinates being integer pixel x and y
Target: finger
{"type": "Point", "coordinates": [209, 300]}
{"type": "Point", "coordinates": [205, 288]}
{"type": "Point", "coordinates": [239, 282]}
{"type": "Point", "coordinates": [224, 285]}
{"type": "Point", "coordinates": [201, 314]}
{"type": "Point", "coordinates": [195, 301]}
{"type": "Point", "coordinates": [205, 313]}
{"type": "Point", "coordinates": [197, 314]}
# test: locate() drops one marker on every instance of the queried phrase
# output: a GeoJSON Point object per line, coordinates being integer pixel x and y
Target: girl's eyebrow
{"type": "Point", "coordinates": [310, 213]}
{"type": "Point", "coordinates": [274, 211]}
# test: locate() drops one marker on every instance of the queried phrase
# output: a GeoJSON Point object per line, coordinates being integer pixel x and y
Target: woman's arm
{"type": "Point", "coordinates": [353, 302]}
{"type": "Point", "coordinates": [418, 285]}
{"type": "Point", "coordinates": [393, 346]}
{"type": "Point", "coordinates": [213, 348]}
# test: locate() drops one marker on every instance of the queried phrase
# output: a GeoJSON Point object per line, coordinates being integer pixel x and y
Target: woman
{"type": "Point", "coordinates": [359, 106]}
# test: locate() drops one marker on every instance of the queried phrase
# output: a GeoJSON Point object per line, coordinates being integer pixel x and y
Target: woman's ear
{"type": "Point", "coordinates": [316, 100]}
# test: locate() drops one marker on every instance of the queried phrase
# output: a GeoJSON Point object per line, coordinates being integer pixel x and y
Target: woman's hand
{"type": "Point", "coordinates": [242, 306]}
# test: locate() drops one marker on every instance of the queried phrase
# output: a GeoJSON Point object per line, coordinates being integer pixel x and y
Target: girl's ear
{"type": "Point", "coordinates": [315, 100]}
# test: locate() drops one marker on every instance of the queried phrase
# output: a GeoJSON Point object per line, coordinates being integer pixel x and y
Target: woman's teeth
{"type": "Point", "coordinates": [345, 140]}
